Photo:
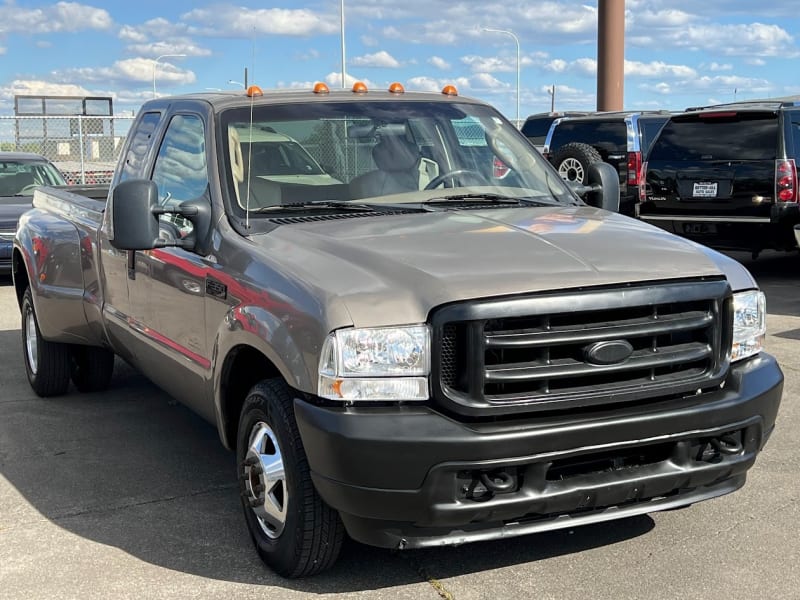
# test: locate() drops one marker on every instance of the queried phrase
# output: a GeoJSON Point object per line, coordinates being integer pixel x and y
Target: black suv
{"type": "Point", "coordinates": [536, 126]}
{"type": "Point", "coordinates": [618, 138]}
{"type": "Point", "coordinates": [726, 176]}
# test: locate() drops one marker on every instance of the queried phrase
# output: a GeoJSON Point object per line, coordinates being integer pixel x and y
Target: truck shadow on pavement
{"type": "Point", "coordinates": [132, 469]}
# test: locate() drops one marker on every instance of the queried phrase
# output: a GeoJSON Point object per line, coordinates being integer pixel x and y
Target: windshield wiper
{"type": "Point", "coordinates": [316, 204]}
{"type": "Point", "coordinates": [488, 198]}
{"type": "Point", "coordinates": [455, 198]}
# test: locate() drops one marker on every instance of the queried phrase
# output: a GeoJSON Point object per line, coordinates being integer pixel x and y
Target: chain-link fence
{"type": "Point", "coordinates": [85, 149]}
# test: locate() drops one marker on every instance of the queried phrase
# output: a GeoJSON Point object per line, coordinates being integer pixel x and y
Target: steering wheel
{"type": "Point", "coordinates": [28, 189]}
{"type": "Point", "coordinates": [451, 175]}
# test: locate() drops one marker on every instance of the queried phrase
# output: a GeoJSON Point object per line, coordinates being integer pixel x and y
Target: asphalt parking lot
{"type": "Point", "coordinates": [127, 494]}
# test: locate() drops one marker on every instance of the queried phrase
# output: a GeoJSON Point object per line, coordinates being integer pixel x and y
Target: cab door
{"type": "Point", "coordinates": [167, 294]}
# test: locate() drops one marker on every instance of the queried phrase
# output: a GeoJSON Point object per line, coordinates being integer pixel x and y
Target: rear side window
{"type": "Point", "coordinates": [134, 164]}
{"type": "Point", "coordinates": [610, 136]}
{"type": "Point", "coordinates": [739, 136]}
{"type": "Point", "coordinates": [649, 129]}
{"type": "Point", "coordinates": [536, 129]}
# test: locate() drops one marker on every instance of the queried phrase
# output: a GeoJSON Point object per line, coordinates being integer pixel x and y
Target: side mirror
{"type": "Point", "coordinates": [134, 222]}
{"type": "Point", "coordinates": [603, 186]}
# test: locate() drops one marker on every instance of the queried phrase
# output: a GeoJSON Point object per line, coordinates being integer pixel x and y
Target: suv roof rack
{"type": "Point", "coordinates": [772, 103]}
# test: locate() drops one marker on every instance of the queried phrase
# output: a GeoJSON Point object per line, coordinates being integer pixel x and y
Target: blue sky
{"type": "Point", "coordinates": [678, 53]}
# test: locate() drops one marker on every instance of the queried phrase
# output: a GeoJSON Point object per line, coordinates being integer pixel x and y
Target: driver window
{"type": "Point", "coordinates": [180, 170]}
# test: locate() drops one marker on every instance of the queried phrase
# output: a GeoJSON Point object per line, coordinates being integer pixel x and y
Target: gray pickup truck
{"type": "Point", "coordinates": [405, 324]}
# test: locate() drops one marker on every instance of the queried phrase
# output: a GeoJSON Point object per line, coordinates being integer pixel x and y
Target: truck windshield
{"type": "Point", "coordinates": [377, 152]}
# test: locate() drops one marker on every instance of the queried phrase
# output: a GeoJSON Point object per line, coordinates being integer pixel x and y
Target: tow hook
{"type": "Point", "coordinates": [498, 481]}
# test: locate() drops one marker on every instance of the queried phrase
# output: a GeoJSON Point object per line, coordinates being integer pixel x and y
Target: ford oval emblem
{"type": "Point", "coordinates": [611, 352]}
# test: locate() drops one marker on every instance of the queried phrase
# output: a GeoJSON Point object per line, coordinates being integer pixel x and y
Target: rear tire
{"type": "Point", "coordinates": [91, 368]}
{"type": "Point", "coordinates": [572, 161]}
{"type": "Point", "coordinates": [47, 364]}
{"type": "Point", "coordinates": [294, 531]}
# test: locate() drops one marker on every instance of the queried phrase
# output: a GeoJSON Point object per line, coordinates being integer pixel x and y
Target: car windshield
{"type": "Point", "coordinates": [22, 177]}
{"type": "Point", "coordinates": [391, 152]}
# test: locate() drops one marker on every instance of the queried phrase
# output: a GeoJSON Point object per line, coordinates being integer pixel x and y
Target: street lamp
{"type": "Point", "coordinates": [341, 25]}
{"type": "Point", "coordinates": [232, 82]}
{"type": "Point", "coordinates": [516, 40]}
{"type": "Point", "coordinates": [155, 62]}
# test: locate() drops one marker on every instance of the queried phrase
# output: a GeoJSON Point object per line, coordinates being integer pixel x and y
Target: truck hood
{"type": "Point", "coordinates": [394, 269]}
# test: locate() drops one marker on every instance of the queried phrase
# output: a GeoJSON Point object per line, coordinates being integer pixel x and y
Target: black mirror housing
{"type": "Point", "coordinates": [604, 186]}
{"type": "Point", "coordinates": [134, 222]}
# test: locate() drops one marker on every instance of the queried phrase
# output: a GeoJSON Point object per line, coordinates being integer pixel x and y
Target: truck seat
{"type": "Point", "coordinates": [397, 160]}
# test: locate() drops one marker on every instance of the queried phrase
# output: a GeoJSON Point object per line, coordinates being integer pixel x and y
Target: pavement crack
{"type": "Point", "coordinates": [420, 569]}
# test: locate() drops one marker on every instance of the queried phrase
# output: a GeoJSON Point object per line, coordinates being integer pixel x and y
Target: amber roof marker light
{"type": "Point", "coordinates": [396, 88]}
{"type": "Point", "coordinates": [450, 90]}
{"type": "Point", "coordinates": [321, 88]}
{"type": "Point", "coordinates": [254, 91]}
{"type": "Point", "coordinates": [359, 87]}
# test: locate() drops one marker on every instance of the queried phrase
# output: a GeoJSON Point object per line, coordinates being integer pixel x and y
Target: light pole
{"type": "Point", "coordinates": [516, 41]}
{"type": "Point", "coordinates": [341, 23]}
{"type": "Point", "coordinates": [155, 63]}
{"type": "Point", "coordinates": [232, 82]}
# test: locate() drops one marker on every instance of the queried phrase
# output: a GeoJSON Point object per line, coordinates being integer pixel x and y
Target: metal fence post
{"type": "Point", "coordinates": [80, 141]}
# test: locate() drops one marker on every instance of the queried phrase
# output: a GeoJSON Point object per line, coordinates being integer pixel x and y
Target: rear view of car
{"type": "Point", "coordinates": [618, 138]}
{"type": "Point", "coordinates": [726, 177]}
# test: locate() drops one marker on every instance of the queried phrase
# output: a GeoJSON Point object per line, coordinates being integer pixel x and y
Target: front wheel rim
{"type": "Point", "coordinates": [571, 169]}
{"type": "Point", "coordinates": [31, 341]}
{"type": "Point", "coordinates": [264, 478]}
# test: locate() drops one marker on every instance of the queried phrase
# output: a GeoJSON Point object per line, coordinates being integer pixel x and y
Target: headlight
{"type": "Point", "coordinates": [387, 363]}
{"type": "Point", "coordinates": [749, 324]}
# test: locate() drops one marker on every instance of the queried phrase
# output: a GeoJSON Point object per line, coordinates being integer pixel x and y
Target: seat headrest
{"type": "Point", "coordinates": [395, 153]}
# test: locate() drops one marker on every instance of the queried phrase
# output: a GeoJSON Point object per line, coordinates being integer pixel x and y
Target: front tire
{"type": "Point", "coordinates": [47, 364]}
{"type": "Point", "coordinates": [294, 531]}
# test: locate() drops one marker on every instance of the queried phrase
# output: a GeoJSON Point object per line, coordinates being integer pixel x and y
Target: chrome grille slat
{"type": "Point", "coordinates": [643, 359]}
{"type": "Point", "coordinates": [593, 333]}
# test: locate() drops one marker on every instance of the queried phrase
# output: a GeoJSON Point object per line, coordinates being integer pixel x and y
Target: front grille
{"type": "Point", "coordinates": [547, 352]}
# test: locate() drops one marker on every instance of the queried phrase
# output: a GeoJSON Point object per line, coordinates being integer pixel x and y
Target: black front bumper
{"type": "Point", "coordinates": [412, 477]}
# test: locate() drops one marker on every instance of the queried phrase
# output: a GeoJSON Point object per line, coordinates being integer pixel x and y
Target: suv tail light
{"type": "Point", "coordinates": [499, 168]}
{"type": "Point", "coordinates": [643, 186]}
{"type": "Point", "coordinates": [634, 168]}
{"type": "Point", "coordinates": [785, 180]}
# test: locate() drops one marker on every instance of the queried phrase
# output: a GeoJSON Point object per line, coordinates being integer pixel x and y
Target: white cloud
{"type": "Point", "coordinates": [736, 40]}
{"type": "Point", "coordinates": [487, 81]}
{"type": "Point", "coordinates": [334, 79]}
{"type": "Point", "coordinates": [661, 18]}
{"type": "Point", "coordinates": [62, 16]}
{"type": "Point", "coordinates": [424, 84]}
{"type": "Point", "coordinates": [657, 69]}
{"type": "Point", "coordinates": [240, 21]}
{"type": "Point", "coordinates": [489, 64]}
{"type": "Point", "coordinates": [720, 67]}
{"type": "Point", "coordinates": [174, 46]}
{"type": "Point", "coordinates": [2, 50]}
{"type": "Point", "coordinates": [132, 70]}
{"type": "Point", "coordinates": [132, 34]}
{"type": "Point", "coordinates": [378, 59]}
{"type": "Point", "coordinates": [369, 41]}
{"type": "Point", "coordinates": [439, 63]}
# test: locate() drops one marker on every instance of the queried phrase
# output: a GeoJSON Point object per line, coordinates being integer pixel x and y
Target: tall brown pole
{"type": "Point", "coordinates": [610, 54]}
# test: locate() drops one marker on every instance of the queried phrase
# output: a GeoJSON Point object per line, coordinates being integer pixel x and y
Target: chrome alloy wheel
{"type": "Point", "coordinates": [265, 480]}
{"type": "Point", "coordinates": [571, 169]}
{"type": "Point", "coordinates": [31, 341]}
